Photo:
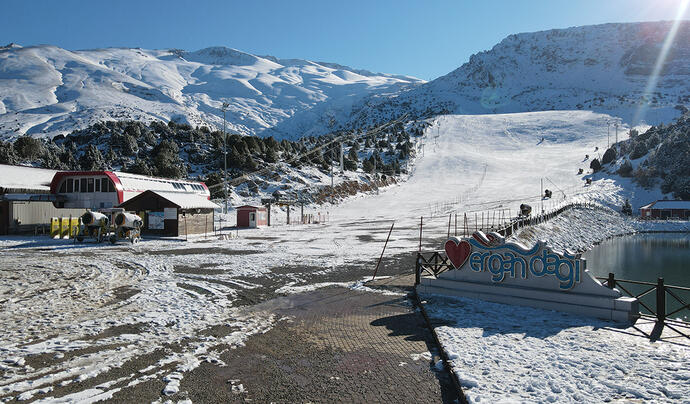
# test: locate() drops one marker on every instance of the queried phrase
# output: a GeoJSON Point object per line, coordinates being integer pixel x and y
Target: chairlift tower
{"type": "Point", "coordinates": [225, 161]}
{"type": "Point", "coordinates": [342, 165]}
{"type": "Point", "coordinates": [616, 125]}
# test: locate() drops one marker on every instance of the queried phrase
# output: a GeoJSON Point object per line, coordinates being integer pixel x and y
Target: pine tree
{"type": "Point", "coordinates": [271, 156]}
{"type": "Point", "coordinates": [92, 159]}
{"type": "Point", "coordinates": [249, 163]}
{"type": "Point", "coordinates": [7, 153]}
{"type": "Point", "coordinates": [368, 165]}
{"type": "Point", "coordinates": [166, 160]}
{"type": "Point", "coordinates": [138, 167]}
{"type": "Point", "coordinates": [352, 155]}
{"type": "Point", "coordinates": [595, 165]}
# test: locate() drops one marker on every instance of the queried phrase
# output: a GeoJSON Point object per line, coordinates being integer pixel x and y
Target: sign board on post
{"type": "Point", "coordinates": [170, 213]}
{"type": "Point", "coordinates": [488, 268]}
{"type": "Point", "coordinates": [156, 221]}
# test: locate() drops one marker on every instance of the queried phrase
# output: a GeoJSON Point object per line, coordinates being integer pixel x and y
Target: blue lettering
{"type": "Point", "coordinates": [476, 263]}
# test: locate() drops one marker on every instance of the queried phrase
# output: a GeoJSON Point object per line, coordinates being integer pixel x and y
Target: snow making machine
{"type": "Point", "coordinates": [93, 224]}
{"type": "Point", "coordinates": [525, 210]}
{"type": "Point", "coordinates": [127, 226]}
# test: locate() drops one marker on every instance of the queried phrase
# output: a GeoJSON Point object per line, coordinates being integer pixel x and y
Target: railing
{"type": "Point", "coordinates": [434, 263]}
{"type": "Point", "coordinates": [658, 308]}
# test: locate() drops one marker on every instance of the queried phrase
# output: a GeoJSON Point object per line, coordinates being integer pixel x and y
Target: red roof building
{"type": "Point", "coordinates": [666, 210]}
{"type": "Point", "coordinates": [106, 189]}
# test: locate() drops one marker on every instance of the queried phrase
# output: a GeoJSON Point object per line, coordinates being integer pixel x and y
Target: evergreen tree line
{"type": "Point", "coordinates": [667, 151]}
{"type": "Point", "coordinates": [175, 150]}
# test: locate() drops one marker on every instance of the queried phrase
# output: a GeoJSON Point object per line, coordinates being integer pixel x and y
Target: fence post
{"type": "Point", "coordinates": [450, 216]}
{"type": "Point", "coordinates": [611, 282]}
{"type": "Point", "coordinates": [417, 272]}
{"type": "Point", "coordinates": [421, 223]}
{"type": "Point", "coordinates": [660, 300]}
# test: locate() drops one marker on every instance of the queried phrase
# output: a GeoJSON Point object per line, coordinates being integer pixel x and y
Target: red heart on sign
{"type": "Point", "coordinates": [458, 251]}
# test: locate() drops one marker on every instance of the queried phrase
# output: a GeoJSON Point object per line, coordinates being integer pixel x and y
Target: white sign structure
{"type": "Point", "coordinates": [156, 221]}
{"type": "Point", "coordinates": [488, 268]}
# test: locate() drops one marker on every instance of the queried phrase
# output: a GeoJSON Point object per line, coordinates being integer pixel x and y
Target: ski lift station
{"type": "Point", "coordinates": [251, 216]}
{"type": "Point", "coordinates": [29, 197]}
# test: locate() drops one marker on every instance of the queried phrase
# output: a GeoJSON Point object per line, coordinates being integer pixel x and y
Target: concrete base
{"type": "Point", "coordinates": [618, 309]}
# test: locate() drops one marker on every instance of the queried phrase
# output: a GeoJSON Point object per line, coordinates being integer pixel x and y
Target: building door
{"type": "Point", "coordinates": [4, 217]}
{"type": "Point", "coordinates": [252, 219]}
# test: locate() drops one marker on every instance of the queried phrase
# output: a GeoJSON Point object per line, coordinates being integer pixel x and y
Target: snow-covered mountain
{"type": "Point", "coordinates": [46, 90]}
{"type": "Point", "coordinates": [603, 68]}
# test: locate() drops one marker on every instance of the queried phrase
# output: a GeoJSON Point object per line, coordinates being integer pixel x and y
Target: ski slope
{"type": "Point", "coordinates": [484, 162]}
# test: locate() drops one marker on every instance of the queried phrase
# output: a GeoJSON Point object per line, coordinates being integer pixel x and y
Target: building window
{"type": "Point", "coordinates": [82, 185]}
{"type": "Point", "coordinates": [76, 185]}
{"type": "Point", "coordinates": [63, 187]}
{"type": "Point", "coordinates": [70, 185]}
{"type": "Point", "coordinates": [89, 185]}
{"type": "Point", "coordinates": [104, 185]}
{"type": "Point", "coordinates": [111, 187]}
{"type": "Point", "coordinates": [98, 185]}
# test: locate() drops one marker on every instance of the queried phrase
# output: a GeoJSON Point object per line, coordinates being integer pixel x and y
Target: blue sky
{"type": "Point", "coordinates": [425, 39]}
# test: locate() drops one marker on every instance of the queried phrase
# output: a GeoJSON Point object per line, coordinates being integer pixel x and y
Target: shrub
{"type": "Point", "coordinates": [626, 169]}
{"type": "Point", "coordinates": [609, 156]}
{"type": "Point", "coordinates": [595, 165]}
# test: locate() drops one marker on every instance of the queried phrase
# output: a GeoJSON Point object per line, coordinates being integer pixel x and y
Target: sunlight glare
{"type": "Point", "coordinates": [661, 59]}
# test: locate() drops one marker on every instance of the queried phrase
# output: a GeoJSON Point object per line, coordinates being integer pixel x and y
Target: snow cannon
{"type": "Point", "coordinates": [547, 193]}
{"type": "Point", "coordinates": [93, 224]}
{"type": "Point", "coordinates": [128, 227]}
{"type": "Point", "coordinates": [94, 219]}
{"type": "Point", "coordinates": [128, 220]}
{"type": "Point", "coordinates": [525, 209]}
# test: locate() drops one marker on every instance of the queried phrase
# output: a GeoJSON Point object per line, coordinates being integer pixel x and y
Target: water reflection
{"type": "Point", "coordinates": [644, 257]}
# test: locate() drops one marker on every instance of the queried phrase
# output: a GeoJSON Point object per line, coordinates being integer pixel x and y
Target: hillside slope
{"type": "Point", "coordinates": [46, 90]}
{"type": "Point", "coordinates": [602, 68]}
{"type": "Point", "coordinates": [479, 163]}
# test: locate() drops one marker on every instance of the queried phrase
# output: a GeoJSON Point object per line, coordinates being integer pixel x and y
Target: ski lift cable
{"type": "Point", "coordinates": [239, 180]}
{"type": "Point", "coordinates": [547, 178]}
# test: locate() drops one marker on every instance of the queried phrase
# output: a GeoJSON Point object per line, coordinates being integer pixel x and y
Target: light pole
{"type": "Point", "coordinates": [616, 125]}
{"type": "Point", "coordinates": [225, 161]}
{"type": "Point", "coordinates": [608, 136]}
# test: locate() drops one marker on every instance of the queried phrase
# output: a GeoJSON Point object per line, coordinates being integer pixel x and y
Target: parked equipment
{"type": "Point", "coordinates": [128, 226]}
{"type": "Point", "coordinates": [94, 224]}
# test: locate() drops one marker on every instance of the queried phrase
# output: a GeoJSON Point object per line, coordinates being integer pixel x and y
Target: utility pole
{"type": "Point", "coordinates": [542, 194]}
{"type": "Point", "coordinates": [375, 176]}
{"type": "Point", "coordinates": [616, 125]}
{"type": "Point", "coordinates": [225, 161]}
{"type": "Point", "coordinates": [342, 165]}
{"type": "Point", "coordinates": [608, 135]}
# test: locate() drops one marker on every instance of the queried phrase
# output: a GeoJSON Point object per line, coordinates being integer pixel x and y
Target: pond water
{"type": "Point", "coordinates": [646, 257]}
{"type": "Point", "coordinates": [643, 257]}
